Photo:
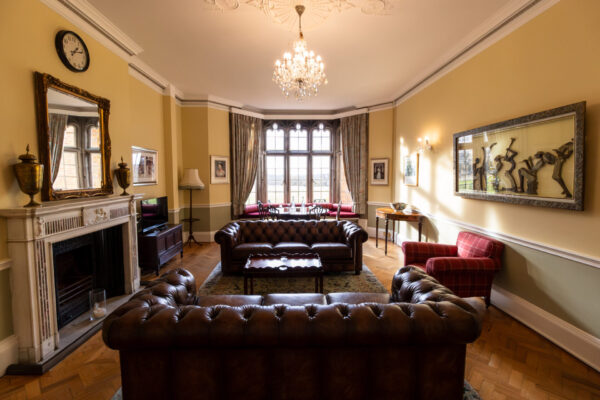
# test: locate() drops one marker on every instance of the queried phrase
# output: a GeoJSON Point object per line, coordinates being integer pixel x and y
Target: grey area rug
{"type": "Point", "coordinates": [217, 283]}
{"type": "Point", "coordinates": [468, 394]}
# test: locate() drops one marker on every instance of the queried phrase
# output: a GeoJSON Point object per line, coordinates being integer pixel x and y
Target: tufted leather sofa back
{"type": "Point", "coordinates": [413, 348]}
{"type": "Point", "coordinates": [308, 232]}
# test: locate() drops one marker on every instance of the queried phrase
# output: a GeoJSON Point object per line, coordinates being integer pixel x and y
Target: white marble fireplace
{"type": "Point", "coordinates": [31, 235]}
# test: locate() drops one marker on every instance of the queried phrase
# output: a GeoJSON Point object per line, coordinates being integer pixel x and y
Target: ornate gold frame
{"type": "Point", "coordinates": [42, 83]}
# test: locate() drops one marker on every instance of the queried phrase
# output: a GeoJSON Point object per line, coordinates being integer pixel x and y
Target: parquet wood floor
{"type": "Point", "coordinates": [508, 361]}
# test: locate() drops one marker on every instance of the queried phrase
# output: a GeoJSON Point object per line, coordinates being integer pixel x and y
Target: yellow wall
{"type": "Point", "coordinates": [551, 61]}
{"type": "Point", "coordinates": [194, 132]}
{"type": "Point", "coordinates": [27, 31]}
{"type": "Point", "coordinates": [218, 145]}
{"type": "Point", "coordinates": [381, 130]}
{"type": "Point", "coordinates": [205, 133]}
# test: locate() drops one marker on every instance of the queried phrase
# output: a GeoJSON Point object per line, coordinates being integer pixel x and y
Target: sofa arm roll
{"type": "Point", "coordinates": [354, 232]}
{"type": "Point", "coordinates": [420, 252]}
{"type": "Point", "coordinates": [412, 285]}
{"type": "Point", "coordinates": [228, 235]}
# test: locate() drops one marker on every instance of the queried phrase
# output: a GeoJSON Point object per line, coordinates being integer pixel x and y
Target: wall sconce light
{"type": "Point", "coordinates": [423, 144]}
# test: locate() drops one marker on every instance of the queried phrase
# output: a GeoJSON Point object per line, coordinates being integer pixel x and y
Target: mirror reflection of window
{"type": "Point", "coordinates": [94, 158]}
{"type": "Point", "coordinates": [68, 171]}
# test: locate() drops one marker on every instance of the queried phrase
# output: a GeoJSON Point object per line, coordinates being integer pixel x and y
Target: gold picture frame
{"type": "Point", "coordinates": [380, 171]}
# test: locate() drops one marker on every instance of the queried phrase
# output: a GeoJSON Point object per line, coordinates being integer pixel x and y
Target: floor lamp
{"type": "Point", "coordinates": [191, 181]}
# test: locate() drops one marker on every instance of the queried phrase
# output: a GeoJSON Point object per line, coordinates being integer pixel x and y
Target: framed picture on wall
{"type": "Point", "coordinates": [219, 169]}
{"type": "Point", "coordinates": [410, 168]}
{"type": "Point", "coordinates": [144, 166]}
{"type": "Point", "coordinates": [380, 171]}
{"type": "Point", "coordinates": [536, 159]}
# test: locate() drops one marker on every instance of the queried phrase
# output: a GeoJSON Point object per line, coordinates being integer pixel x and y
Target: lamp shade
{"type": "Point", "coordinates": [191, 179]}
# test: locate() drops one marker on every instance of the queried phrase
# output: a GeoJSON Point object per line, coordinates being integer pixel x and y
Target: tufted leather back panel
{"type": "Point", "coordinates": [308, 232]}
{"type": "Point", "coordinates": [411, 349]}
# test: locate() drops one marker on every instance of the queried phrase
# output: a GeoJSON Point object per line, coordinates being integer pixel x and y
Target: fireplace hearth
{"type": "Point", "coordinates": [84, 263]}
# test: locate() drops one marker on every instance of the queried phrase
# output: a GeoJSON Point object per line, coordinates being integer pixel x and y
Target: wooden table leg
{"type": "Point", "coordinates": [316, 284]}
{"type": "Point", "coordinates": [245, 285]}
{"type": "Point", "coordinates": [376, 231]}
{"type": "Point", "coordinates": [386, 234]}
{"type": "Point", "coordinates": [420, 227]}
{"type": "Point", "coordinates": [321, 283]}
{"type": "Point", "coordinates": [393, 231]}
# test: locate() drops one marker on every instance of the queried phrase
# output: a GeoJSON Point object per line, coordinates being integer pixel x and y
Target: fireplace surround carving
{"type": "Point", "coordinates": [31, 234]}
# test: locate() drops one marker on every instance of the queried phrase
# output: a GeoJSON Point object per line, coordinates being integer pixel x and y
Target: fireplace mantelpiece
{"type": "Point", "coordinates": [31, 234]}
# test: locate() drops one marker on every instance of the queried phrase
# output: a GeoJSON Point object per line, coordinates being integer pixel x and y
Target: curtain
{"type": "Point", "coordinates": [246, 142]}
{"type": "Point", "coordinates": [355, 153]}
{"type": "Point", "coordinates": [57, 124]}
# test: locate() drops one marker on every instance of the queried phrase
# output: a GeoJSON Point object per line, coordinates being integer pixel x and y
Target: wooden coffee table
{"type": "Point", "coordinates": [283, 266]}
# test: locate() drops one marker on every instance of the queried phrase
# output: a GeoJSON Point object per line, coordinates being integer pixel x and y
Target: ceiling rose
{"type": "Point", "coordinates": [283, 11]}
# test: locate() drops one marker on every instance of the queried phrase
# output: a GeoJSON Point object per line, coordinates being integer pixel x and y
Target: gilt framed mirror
{"type": "Point", "coordinates": [73, 140]}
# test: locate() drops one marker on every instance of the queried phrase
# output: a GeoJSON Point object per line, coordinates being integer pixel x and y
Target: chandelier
{"type": "Point", "coordinates": [300, 73]}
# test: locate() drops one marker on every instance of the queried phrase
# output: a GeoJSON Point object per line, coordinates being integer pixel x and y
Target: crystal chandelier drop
{"type": "Point", "coordinates": [300, 73]}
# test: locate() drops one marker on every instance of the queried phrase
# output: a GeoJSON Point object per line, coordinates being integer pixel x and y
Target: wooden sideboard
{"type": "Point", "coordinates": [159, 246]}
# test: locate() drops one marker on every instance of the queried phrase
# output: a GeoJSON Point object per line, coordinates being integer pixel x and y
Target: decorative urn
{"type": "Point", "coordinates": [123, 174]}
{"type": "Point", "coordinates": [29, 175]}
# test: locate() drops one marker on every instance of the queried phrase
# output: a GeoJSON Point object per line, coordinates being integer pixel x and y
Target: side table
{"type": "Point", "coordinates": [390, 214]}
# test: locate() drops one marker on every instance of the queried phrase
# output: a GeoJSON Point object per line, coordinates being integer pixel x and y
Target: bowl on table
{"type": "Point", "coordinates": [398, 206]}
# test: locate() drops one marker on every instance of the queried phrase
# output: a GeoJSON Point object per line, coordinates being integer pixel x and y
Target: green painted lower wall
{"type": "Point", "coordinates": [6, 327]}
{"type": "Point", "coordinates": [210, 218]}
{"type": "Point", "coordinates": [562, 287]}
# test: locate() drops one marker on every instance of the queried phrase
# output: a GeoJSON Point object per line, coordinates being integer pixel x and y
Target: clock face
{"type": "Point", "coordinates": [72, 51]}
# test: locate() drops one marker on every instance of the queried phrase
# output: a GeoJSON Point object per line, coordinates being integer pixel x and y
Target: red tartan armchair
{"type": "Point", "coordinates": [467, 268]}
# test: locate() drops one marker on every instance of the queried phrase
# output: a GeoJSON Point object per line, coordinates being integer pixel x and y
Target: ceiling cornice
{"type": "Point", "coordinates": [82, 14]}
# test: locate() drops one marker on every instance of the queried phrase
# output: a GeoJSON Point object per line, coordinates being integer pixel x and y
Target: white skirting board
{"type": "Point", "coordinates": [9, 353]}
{"type": "Point", "coordinates": [575, 341]}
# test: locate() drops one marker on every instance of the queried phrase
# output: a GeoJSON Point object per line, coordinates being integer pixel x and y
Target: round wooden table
{"type": "Point", "coordinates": [393, 215]}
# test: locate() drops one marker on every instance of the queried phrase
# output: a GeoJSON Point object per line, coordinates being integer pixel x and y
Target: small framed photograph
{"type": "Point", "coordinates": [411, 170]}
{"type": "Point", "coordinates": [219, 169]}
{"type": "Point", "coordinates": [144, 166]}
{"type": "Point", "coordinates": [380, 171]}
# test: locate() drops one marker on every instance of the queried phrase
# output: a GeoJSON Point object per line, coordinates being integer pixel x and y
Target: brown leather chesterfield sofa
{"type": "Point", "coordinates": [410, 345]}
{"type": "Point", "coordinates": [338, 243]}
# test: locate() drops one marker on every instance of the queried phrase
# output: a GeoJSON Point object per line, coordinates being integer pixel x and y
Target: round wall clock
{"type": "Point", "coordinates": [72, 51]}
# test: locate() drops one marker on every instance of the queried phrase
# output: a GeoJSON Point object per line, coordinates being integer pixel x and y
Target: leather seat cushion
{"type": "Point", "coordinates": [291, 247]}
{"type": "Point", "coordinates": [234, 300]}
{"type": "Point", "coordinates": [357, 298]}
{"type": "Point", "coordinates": [332, 250]}
{"type": "Point", "coordinates": [294, 299]}
{"type": "Point", "coordinates": [242, 251]}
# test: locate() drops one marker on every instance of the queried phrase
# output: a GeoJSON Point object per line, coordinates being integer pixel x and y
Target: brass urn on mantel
{"type": "Point", "coordinates": [123, 176]}
{"type": "Point", "coordinates": [29, 175]}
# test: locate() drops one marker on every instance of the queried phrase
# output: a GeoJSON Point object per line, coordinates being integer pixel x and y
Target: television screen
{"type": "Point", "coordinates": [154, 212]}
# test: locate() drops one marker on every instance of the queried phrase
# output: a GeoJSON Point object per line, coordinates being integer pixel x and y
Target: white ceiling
{"type": "Point", "coordinates": [368, 59]}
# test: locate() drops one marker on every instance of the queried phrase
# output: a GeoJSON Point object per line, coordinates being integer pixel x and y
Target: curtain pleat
{"type": "Point", "coordinates": [355, 153]}
{"type": "Point", "coordinates": [57, 124]}
{"type": "Point", "coordinates": [245, 141]}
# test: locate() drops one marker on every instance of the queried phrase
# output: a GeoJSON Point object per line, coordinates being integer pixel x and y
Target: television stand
{"type": "Point", "coordinates": [157, 247]}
